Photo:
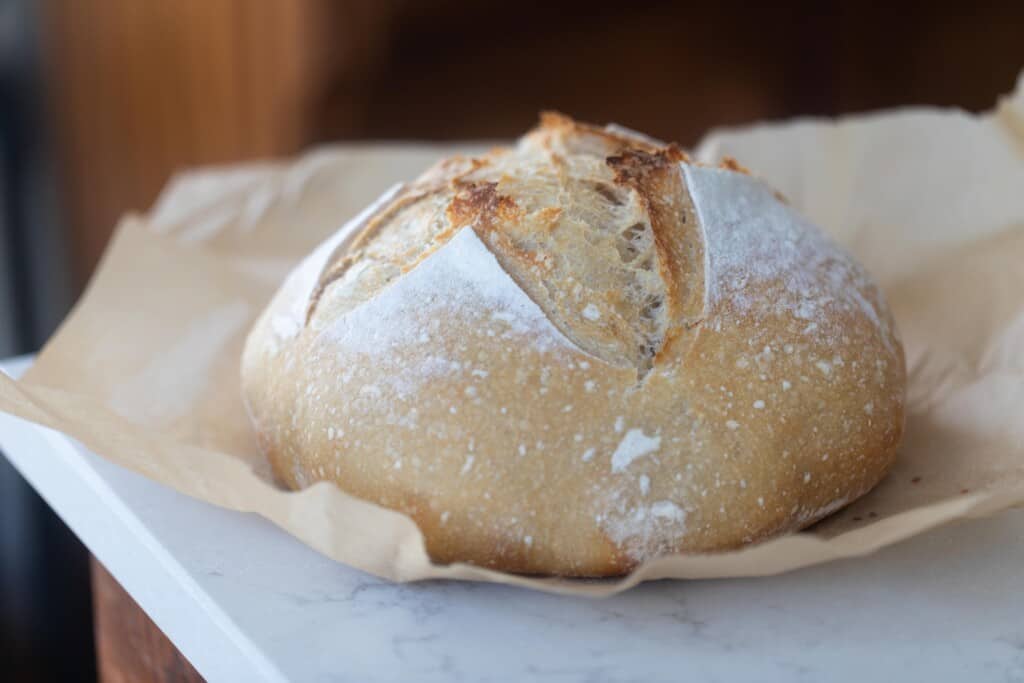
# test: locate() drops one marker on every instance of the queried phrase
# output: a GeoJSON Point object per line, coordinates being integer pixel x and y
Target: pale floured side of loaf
{"type": "Point", "coordinates": [578, 353]}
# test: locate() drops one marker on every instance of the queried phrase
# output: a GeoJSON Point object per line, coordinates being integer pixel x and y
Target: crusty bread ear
{"type": "Point", "coordinates": [578, 353]}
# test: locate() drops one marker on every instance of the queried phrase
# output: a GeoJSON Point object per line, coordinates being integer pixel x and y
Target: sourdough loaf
{"type": "Point", "coordinates": [580, 352]}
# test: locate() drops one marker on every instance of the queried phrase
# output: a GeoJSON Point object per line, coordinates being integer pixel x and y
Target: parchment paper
{"type": "Point", "coordinates": [145, 370]}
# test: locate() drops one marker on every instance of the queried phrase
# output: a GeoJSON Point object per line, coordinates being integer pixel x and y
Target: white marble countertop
{"type": "Point", "coordinates": [246, 602]}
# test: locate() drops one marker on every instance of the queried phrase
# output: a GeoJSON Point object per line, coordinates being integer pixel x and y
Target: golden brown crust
{"type": "Point", "coordinates": [558, 124]}
{"type": "Point", "coordinates": [579, 381]}
{"type": "Point", "coordinates": [481, 205]}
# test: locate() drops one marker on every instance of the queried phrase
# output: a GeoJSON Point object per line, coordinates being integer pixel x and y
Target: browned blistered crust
{"type": "Point", "coordinates": [480, 205]}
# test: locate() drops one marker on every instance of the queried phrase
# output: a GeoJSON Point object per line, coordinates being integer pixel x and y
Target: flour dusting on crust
{"type": "Point", "coordinates": [634, 445]}
{"type": "Point", "coordinates": [644, 531]}
{"type": "Point", "coordinates": [754, 241]}
{"type": "Point", "coordinates": [462, 277]}
{"type": "Point", "coordinates": [301, 282]}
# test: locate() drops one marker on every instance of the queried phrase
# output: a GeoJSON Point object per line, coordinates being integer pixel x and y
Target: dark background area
{"type": "Point", "coordinates": [102, 101]}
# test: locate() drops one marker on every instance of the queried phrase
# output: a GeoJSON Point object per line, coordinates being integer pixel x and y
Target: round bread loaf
{"type": "Point", "coordinates": [575, 354]}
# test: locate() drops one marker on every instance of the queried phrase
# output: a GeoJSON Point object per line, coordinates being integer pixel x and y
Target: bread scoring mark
{"type": "Point", "coordinates": [548, 228]}
{"type": "Point", "coordinates": [678, 247]}
{"type": "Point", "coordinates": [289, 312]}
{"type": "Point", "coordinates": [647, 173]}
{"type": "Point", "coordinates": [346, 254]}
{"type": "Point", "coordinates": [365, 228]}
{"type": "Point", "coordinates": [459, 280]}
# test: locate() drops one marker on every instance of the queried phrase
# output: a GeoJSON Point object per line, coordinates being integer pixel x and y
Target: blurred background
{"type": "Point", "coordinates": [102, 100]}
